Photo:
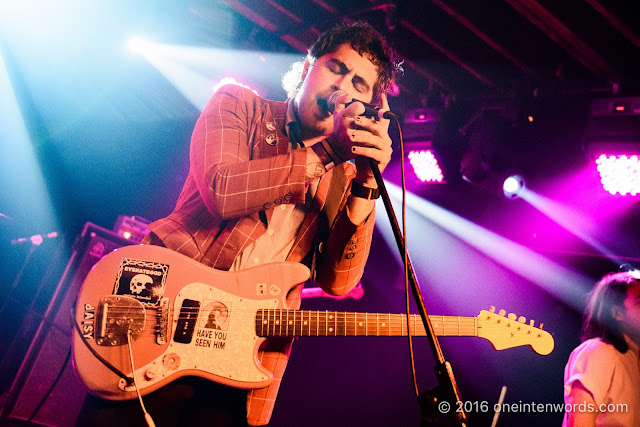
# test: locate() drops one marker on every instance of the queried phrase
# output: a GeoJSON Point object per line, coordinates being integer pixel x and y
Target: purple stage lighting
{"type": "Point", "coordinates": [619, 174]}
{"type": "Point", "coordinates": [425, 166]}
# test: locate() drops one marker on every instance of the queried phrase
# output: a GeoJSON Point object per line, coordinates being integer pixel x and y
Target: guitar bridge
{"type": "Point", "coordinates": [118, 314]}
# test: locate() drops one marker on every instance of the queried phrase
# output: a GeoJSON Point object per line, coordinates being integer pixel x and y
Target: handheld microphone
{"type": "Point", "coordinates": [370, 110]}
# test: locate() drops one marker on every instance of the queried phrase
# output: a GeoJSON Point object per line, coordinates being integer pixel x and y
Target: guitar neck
{"type": "Point", "coordinates": [293, 323]}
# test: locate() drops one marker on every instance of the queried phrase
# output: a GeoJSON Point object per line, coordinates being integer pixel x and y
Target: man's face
{"type": "Point", "coordinates": [345, 69]}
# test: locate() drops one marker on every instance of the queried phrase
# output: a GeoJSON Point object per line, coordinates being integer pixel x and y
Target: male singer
{"type": "Point", "coordinates": [283, 181]}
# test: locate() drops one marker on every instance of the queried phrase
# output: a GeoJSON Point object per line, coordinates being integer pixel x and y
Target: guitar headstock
{"type": "Point", "coordinates": [513, 331]}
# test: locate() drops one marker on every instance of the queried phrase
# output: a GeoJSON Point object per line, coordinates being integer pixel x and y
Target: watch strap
{"type": "Point", "coordinates": [359, 190]}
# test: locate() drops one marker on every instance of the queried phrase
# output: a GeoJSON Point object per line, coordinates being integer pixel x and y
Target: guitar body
{"type": "Point", "coordinates": [185, 318]}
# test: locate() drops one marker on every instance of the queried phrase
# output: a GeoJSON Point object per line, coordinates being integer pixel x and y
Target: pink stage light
{"type": "Point", "coordinates": [425, 166]}
{"type": "Point", "coordinates": [619, 174]}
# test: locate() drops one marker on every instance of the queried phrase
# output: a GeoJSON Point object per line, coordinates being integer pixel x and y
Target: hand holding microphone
{"type": "Point", "coordinates": [370, 110]}
{"type": "Point", "coordinates": [360, 135]}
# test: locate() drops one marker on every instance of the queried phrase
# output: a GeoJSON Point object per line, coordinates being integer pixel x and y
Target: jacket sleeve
{"type": "Point", "coordinates": [343, 254]}
{"type": "Point", "coordinates": [231, 180]}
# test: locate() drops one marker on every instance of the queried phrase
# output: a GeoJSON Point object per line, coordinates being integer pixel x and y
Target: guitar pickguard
{"type": "Point", "coordinates": [214, 336]}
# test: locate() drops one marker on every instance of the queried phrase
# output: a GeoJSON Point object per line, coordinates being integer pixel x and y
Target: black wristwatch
{"type": "Point", "coordinates": [359, 190]}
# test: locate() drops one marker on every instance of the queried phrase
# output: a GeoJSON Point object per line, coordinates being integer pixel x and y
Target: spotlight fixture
{"type": "Point", "coordinates": [424, 162]}
{"type": "Point", "coordinates": [502, 184]}
{"type": "Point", "coordinates": [425, 166]}
{"type": "Point", "coordinates": [488, 162]}
{"type": "Point", "coordinates": [612, 142]}
{"type": "Point", "coordinates": [419, 129]}
{"type": "Point", "coordinates": [513, 186]}
{"type": "Point", "coordinates": [619, 174]}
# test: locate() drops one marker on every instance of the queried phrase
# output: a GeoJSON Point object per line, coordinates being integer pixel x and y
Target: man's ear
{"type": "Point", "coordinates": [305, 69]}
{"type": "Point", "coordinates": [617, 312]}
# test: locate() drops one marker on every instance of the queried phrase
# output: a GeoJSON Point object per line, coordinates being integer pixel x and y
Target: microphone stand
{"type": "Point", "coordinates": [447, 390]}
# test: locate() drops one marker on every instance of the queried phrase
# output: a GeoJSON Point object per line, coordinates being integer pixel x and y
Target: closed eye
{"type": "Point", "coordinates": [360, 85]}
{"type": "Point", "coordinates": [338, 67]}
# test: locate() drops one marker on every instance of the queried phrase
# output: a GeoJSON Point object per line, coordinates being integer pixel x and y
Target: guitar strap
{"type": "Point", "coordinates": [105, 362]}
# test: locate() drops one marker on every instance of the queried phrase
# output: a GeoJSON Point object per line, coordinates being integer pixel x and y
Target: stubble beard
{"type": "Point", "coordinates": [313, 122]}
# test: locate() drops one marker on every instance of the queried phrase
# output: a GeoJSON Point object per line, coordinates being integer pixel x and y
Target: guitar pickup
{"type": "Point", "coordinates": [187, 321]}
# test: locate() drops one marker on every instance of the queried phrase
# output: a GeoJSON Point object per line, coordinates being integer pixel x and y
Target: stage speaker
{"type": "Point", "coordinates": [31, 398]}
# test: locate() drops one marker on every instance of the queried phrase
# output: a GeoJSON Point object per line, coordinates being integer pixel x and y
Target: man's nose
{"type": "Point", "coordinates": [341, 83]}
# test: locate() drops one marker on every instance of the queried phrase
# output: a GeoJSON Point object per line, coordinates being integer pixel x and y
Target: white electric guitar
{"type": "Point", "coordinates": [188, 319]}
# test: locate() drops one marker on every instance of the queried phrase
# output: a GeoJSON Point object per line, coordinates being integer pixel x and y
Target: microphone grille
{"type": "Point", "coordinates": [331, 101]}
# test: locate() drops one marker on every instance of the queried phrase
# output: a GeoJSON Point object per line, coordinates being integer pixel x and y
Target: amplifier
{"type": "Point", "coordinates": [51, 343]}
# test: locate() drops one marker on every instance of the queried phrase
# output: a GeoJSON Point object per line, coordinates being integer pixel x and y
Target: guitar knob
{"type": "Point", "coordinates": [149, 374]}
{"type": "Point", "coordinates": [502, 313]}
{"type": "Point", "coordinates": [171, 361]}
{"type": "Point", "coordinates": [492, 309]}
{"type": "Point", "coordinates": [512, 316]}
{"type": "Point", "coordinates": [522, 319]}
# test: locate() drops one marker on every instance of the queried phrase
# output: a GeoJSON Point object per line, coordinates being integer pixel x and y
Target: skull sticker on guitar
{"type": "Point", "coordinates": [142, 280]}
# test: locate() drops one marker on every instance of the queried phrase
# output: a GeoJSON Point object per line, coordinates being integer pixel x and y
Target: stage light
{"type": "Point", "coordinates": [619, 174]}
{"type": "Point", "coordinates": [425, 166]}
{"type": "Point", "coordinates": [513, 186]}
{"type": "Point", "coordinates": [138, 45]}
{"type": "Point", "coordinates": [489, 161]}
{"type": "Point", "coordinates": [612, 140]}
{"type": "Point", "coordinates": [419, 129]}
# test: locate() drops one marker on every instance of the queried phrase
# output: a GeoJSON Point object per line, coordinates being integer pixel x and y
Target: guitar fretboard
{"type": "Point", "coordinates": [290, 323]}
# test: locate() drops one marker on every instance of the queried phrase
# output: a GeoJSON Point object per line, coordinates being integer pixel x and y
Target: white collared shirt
{"type": "Point", "coordinates": [274, 245]}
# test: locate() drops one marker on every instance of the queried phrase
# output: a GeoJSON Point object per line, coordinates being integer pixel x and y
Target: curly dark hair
{"type": "Point", "coordinates": [599, 322]}
{"type": "Point", "coordinates": [365, 40]}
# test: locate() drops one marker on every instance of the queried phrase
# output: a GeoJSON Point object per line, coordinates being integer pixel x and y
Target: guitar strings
{"type": "Point", "coordinates": [341, 323]}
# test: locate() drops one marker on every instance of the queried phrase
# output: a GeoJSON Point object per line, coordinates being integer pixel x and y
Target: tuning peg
{"type": "Point", "coordinates": [512, 316]}
{"type": "Point", "coordinates": [502, 313]}
{"type": "Point", "coordinates": [532, 322]}
{"type": "Point", "coordinates": [492, 309]}
{"type": "Point", "coordinates": [522, 319]}
{"type": "Point", "coordinates": [541, 326]}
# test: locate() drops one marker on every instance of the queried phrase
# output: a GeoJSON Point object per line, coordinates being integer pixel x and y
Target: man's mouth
{"type": "Point", "coordinates": [324, 107]}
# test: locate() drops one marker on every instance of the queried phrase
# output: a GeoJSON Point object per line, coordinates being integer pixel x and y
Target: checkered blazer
{"type": "Point", "coordinates": [243, 166]}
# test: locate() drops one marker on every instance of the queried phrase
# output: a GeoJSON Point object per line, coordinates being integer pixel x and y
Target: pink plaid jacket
{"type": "Point", "coordinates": [243, 166]}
